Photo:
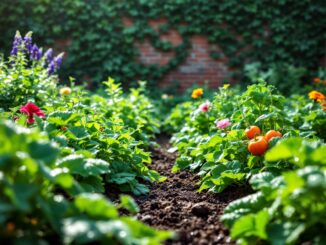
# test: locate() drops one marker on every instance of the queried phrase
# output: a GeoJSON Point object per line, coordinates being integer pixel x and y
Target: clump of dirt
{"type": "Point", "coordinates": [176, 205]}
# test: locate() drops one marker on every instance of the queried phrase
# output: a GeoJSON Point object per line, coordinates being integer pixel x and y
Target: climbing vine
{"type": "Point", "coordinates": [98, 44]}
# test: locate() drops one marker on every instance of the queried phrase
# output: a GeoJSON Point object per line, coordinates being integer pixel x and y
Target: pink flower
{"type": "Point", "coordinates": [222, 124]}
{"type": "Point", "coordinates": [205, 106]}
{"type": "Point", "coordinates": [30, 109]}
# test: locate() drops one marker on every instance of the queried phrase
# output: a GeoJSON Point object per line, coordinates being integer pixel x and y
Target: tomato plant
{"type": "Point", "coordinates": [258, 145]}
{"type": "Point", "coordinates": [252, 131]}
{"type": "Point", "coordinates": [271, 134]}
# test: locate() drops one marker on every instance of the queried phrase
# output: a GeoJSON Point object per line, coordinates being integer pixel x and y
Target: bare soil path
{"type": "Point", "coordinates": [176, 205]}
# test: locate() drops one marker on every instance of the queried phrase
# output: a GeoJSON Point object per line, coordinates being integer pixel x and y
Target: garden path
{"type": "Point", "coordinates": [176, 205]}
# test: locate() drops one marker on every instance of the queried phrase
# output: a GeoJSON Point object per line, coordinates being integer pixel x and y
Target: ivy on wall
{"type": "Point", "coordinates": [99, 44]}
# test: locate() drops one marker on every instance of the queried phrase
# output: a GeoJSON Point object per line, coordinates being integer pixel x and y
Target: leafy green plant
{"type": "Point", "coordinates": [95, 131]}
{"type": "Point", "coordinates": [43, 201]}
{"type": "Point", "coordinates": [307, 115]}
{"type": "Point", "coordinates": [287, 209]}
{"type": "Point", "coordinates": [220, 153]}
{"type": "Point", "coordinates": [176, 119]}
{"type": "Point", "coordinates": [287, 78]}
{"type": "Point", "coordinates": [136, 110]}
{"type": "Point", "coordinates": [114, 129]}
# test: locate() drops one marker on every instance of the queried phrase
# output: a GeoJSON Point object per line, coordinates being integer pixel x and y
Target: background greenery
{"type": "Point", "coordinates": [262, 31]}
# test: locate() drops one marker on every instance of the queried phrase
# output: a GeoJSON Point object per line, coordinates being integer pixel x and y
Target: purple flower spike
{"type": "Point", "coordinates": [39, 54]}
{"type": "Point", "coordinates": [51, 68]}
{"type": "Point", "coordinates": [55, 64]}
{"type": "Point", "coordinates": [14, 51]}
{"type": "Point", "coordinates": [58, 61]}
{"type": "Point", "coordinates": [48, 56]}
{"type": "Point", "coordinates": [28, 43]}
{"type": "Point", "coordinates": [34, 52]}
{"type": "Point", "coordinates": [16, 43]}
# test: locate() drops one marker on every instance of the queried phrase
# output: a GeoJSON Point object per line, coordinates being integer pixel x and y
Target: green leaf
{"type": "Point", "coordinates": [92, 184]}
{"type": "Point", "coordinates": [129, 203]}
{"type": "Point", "coordinates": [85, 230]}
{"type": "Point", "coordinates": [43, 151]}
{"type": "Point", "coordinates": [243, 206]}
{"type": "Point", "coordinates": [121, 178]}
{"type": "Point", "coordinates": [20, 194]}
{"type": "Point", "coordinates": [54, 210]}
{"type": "Point", "coordinates": [77, 164]}
{"type": "Point", "coordinates": [96, 206]}
{"type": "Point", "coordinates": [65, 180]}
{"type": "Point", "coordinates": [61, 118]}
{"type": "Point", "coordinates": [251, 225]}
{"type": "Point", "coordinates": [261, 180]}
{"type": "Point", "coordinates": [79, 132]}
{"type": "Point", "coordinates": [283, 150]}
{"type": "Point", "coordinates": [284, 232]}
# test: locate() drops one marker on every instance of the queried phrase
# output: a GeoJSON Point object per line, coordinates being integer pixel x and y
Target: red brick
{"type": "Point", "coordinates": [198, 68]}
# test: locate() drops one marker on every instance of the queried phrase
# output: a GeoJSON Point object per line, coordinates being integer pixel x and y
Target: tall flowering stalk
{"type": "Point", "coordinates": [28, 42]}
{"type": "Point", "coordinates": [48, 56]}
{"type": "Point", "coordinates": [36, 53]}
{"type": "Point", "coordinates": [28, 61]}
{"type": "Point", "coordinates": [55, 64]}
{"type": "Point", "coordinates": [16, 43]}
{"type": "Point", "coordinates": [25, 46]}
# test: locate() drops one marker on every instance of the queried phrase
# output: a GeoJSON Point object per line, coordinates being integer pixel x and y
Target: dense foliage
{"type": "Point", "coordinates": [99, 44]}
{"type": "Point", "coordinates": [288, 208]}
{"type": "Point", "coordinates": [46, 195]}
{"type": "Point", "coordinates": [275, 143]}
{"type": "Point", "coordinates": [62, 148]}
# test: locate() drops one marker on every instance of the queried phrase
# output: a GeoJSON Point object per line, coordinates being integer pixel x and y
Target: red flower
{"type": "Point", "coordinates": [30, 109]}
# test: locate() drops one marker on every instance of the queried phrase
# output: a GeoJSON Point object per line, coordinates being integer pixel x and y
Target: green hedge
{"type": "Point", "coordinates": [268, 31]}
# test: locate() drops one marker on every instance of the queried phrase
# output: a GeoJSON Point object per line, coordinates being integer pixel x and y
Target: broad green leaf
{"type": "Point", "coordinates": [20, 195]}
{"type": "Point", "coordinates": [121, 178]}
{"type": "Point", "coordinates": [283, 150]}
{"type": "Point", "coordinates": [284, 232]}
{"type": "Point", "coordinates": [261, 180]}
{"type": "Point", "coordinates": [96, 206]}
{"type": "Point", "coordinates": [249, 204]}
{"type": "Point", "coordinates": [43, 151]}
{"type": "Point", "coordinates": [77, 164]}
{"type": "Point", "coordinates": [85, 230]}
{"type": "Point", "coordinates": [79, 132]}
{"type": "Point", "coordinates": [92, 184]}
{"type": "Point", "coordinates": [251, 225]}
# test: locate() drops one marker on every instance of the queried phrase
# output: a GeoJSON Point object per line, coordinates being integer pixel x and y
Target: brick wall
{"type": "Point", "coordinates": [198, 68]}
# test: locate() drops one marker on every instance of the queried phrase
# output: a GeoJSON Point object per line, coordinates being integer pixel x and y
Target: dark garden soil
{"type": "Point", "coordinates": [176, 205]}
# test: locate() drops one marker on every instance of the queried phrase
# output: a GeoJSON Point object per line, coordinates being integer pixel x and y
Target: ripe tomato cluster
{"type": "Point", "coordinates": [259, 144]}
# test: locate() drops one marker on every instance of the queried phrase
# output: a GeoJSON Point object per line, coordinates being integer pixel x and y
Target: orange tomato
{"type": "Point", "coordinates": [272, 133]}
{"type": "Point", "coordinates": [252, 131]}
{"type": "Point", "coordinates": [258, 146]}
